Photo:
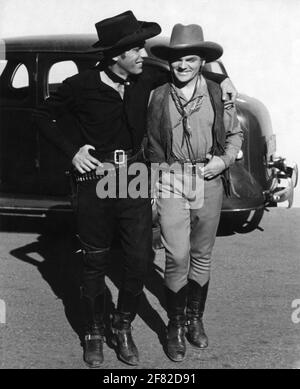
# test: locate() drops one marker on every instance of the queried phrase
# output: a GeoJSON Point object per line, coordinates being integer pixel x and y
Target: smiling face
{"type": "Point", "coordinates": [186, 68]}
{"type": "Point", "coordinates": [130, 62]}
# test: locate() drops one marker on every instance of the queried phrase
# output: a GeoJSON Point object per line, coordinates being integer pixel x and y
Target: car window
{"type": "Point", "coordinates": [59, 72]}
{"type": "Point", "coordinates": [20, 78]}
{"type": "Point", "coordinates": [3, 63]}
{"type": "Point", "coordinates": [14, 81]}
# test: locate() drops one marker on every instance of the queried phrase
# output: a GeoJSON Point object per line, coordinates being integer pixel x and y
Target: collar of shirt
{"type": "Point", "coordinates": [115, 85]}
{"type": "Point", "coordinates": [200, 91]}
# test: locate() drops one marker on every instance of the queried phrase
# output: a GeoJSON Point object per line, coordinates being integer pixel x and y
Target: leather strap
{"type": "Point", "coordinates": [183, 161]}
{"type": "Point", "coordinates": [92, 176]}
{"type": "Point", "coordinates": [93, 337]}
{"type": "Point", "coordinates": [109, 156]}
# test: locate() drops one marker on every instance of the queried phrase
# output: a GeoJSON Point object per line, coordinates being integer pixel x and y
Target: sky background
{"type": "Point", "coordinates": [261, 41]}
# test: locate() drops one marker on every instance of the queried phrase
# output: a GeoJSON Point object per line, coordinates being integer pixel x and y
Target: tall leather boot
{"type": "Point", "coordinates": [94, 330]}
{"type": "Point", "coordinates": [121, 328]}
{"type": "Point", "coordinates": [197, 295]}
{"type": "Point", "coordinates": [176, 302]}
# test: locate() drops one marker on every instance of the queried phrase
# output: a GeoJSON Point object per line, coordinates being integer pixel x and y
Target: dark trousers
{"type": "Point", "coordinates": [97, 222]}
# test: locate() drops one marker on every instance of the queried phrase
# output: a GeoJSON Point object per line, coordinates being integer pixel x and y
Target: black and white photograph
{"type": "Point", "coordinates": [149, 195]}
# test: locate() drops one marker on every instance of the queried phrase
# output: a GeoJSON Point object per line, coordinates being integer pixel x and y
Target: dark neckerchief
{"type": "Point", "coordinates": [181, 108]}
{"type": "Point", "coordinates": [115, 78]}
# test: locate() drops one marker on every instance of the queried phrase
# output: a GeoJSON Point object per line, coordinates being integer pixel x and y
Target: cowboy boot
{"type": "Point", "coordinates": [175, 345]}
{"type": "Point", "coordinates": [197, 295]}
{"type": "Point", "coordinates": [121, 328]}
{"type": "Point", "coordinates": [94, 330]}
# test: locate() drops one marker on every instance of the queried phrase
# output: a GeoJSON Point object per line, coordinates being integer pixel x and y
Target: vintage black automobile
{"type": "Point", "coordinates": [32, 171]}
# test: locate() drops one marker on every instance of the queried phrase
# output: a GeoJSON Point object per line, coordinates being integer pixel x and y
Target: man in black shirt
{"type": "Point", "coordinates": [110, 103]}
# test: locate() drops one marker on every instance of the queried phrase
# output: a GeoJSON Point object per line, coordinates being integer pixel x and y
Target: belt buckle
{"type": "Point", "coordinates": [117, 155]}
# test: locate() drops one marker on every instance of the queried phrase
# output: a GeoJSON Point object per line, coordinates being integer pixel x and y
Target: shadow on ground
{"type": "Point", "coordinates": [60, 264]}
{"type": "Point", "coordinates": [61, 261]}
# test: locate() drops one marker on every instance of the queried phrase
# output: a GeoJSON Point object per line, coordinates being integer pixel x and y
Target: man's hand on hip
{"type": "Point", "coordinates": [214, 167]}
{"type": "Point", "coordinates": [84, 161]}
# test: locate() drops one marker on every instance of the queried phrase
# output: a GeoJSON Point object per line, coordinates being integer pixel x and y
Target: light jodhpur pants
{"type": "Point", "coordinates": [189, 221]}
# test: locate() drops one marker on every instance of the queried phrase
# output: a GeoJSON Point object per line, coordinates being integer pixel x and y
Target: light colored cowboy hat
{"type": "Point", "coordinates": [123, 31]}
{"type": "Point", "coordinates": [187, 40]}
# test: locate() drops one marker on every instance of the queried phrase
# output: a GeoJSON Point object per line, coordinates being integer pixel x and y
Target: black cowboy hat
{"type": "Point", "coordinates": [123, 31]}
{"type": "Point", "coordinates": [186, 40]}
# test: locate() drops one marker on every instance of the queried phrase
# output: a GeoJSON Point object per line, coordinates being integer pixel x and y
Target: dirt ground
{"type": "Point", "coordinates": [249, 316]}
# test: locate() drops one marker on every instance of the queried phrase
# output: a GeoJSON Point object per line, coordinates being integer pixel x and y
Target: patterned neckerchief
{"type": "Point", "coordinates": [186, 110]}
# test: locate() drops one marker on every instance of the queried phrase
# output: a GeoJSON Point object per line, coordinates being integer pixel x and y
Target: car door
{"type": "Point", "coordinates": [18, 151]}
{"type": "Point", "coordinates": [53, 164]}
